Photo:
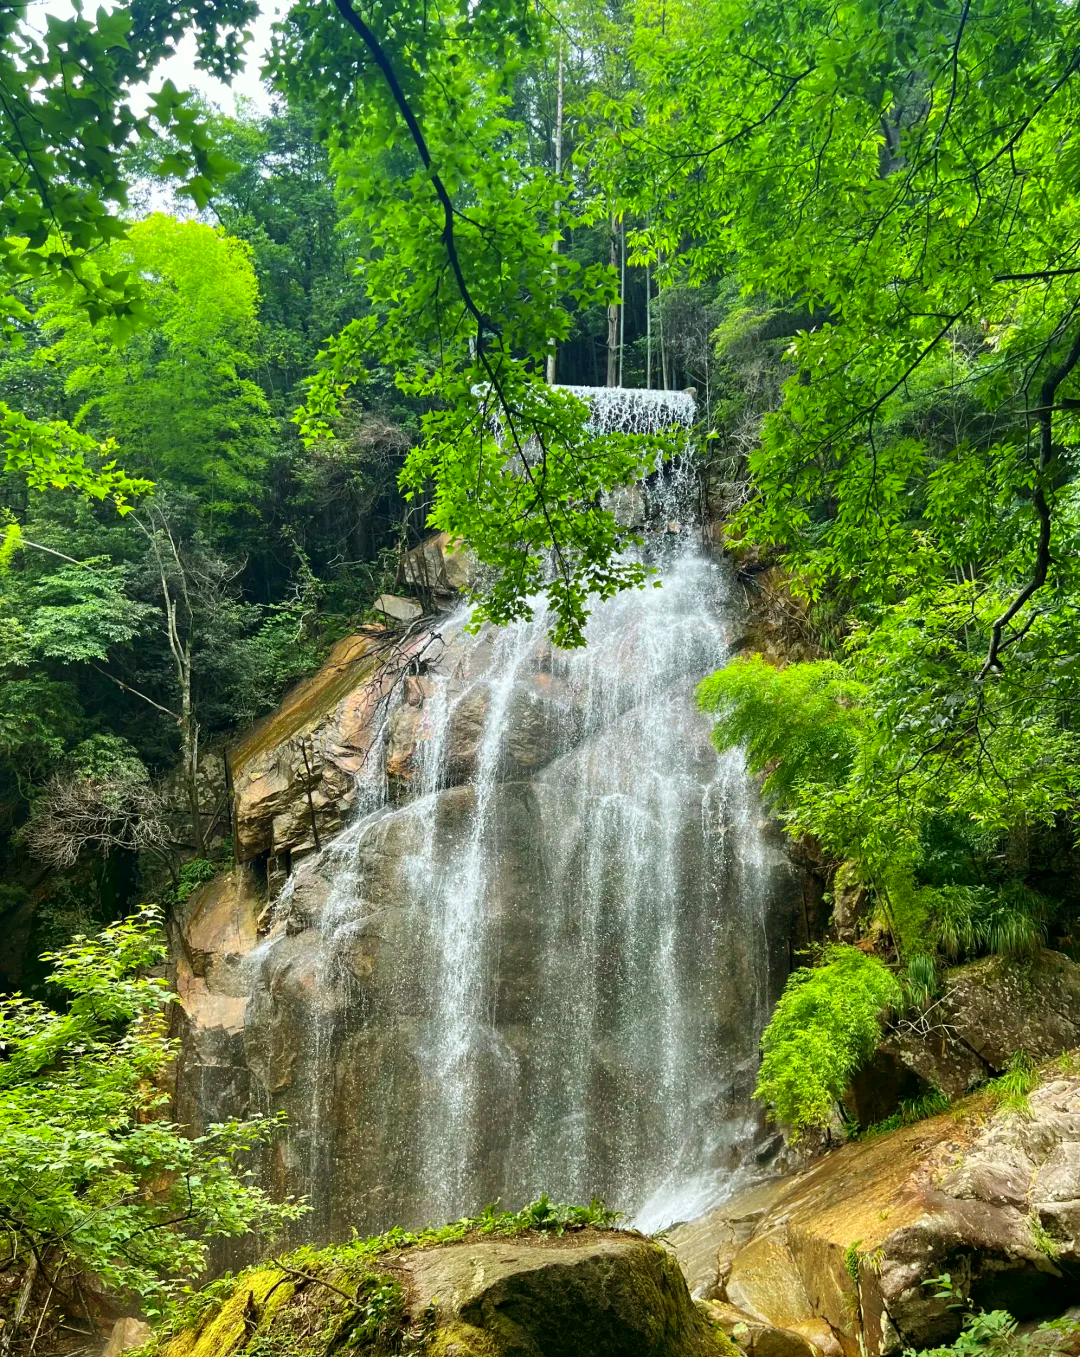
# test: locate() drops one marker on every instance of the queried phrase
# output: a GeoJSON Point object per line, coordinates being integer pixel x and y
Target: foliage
{"type": "Point", "coordinates": [930, 1104]}
{"type": "Point", "coordinates": [68, 120]}
{"type": "Point", "coordinates": [826, 1023]}
{"type": "Point", "coordinates": [1010, 1090]}
{"type": "Point", "coordinates": [513, 465]}
{"type": "Point", "coordinates": [889, 191]}
{"type": "Point", "coordinates": [175, 397]}
{"type": "Point", "coordinates": [92, 1175]}
{"type": "Point", "coordinates": [995, 1331]}
{"type": "Point", "coordinates": [801, 724]}
{"type": "Point", "coordinates": [836, 766]}
{"type": "Point", "coordinates": [193, 874]}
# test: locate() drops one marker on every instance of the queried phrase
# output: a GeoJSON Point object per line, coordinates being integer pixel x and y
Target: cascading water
{"type": "Point", "coordinates": [540, 958]}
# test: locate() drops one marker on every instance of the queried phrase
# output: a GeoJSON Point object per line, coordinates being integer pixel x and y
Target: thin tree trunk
{"type": "Point", "coordinates": [622, 293]}
{"type": "Point", "coordinates": [660, 323]}
{"type": "Point", "coordinates": [21, 1306]}
{"type": "Point", "coordinates": [557, 243]}
{"type": "Point", "coordinates": [189, 745]}
{"type": "Point", "coordinates": [648, 329]}
{"type": "Point", "coordinates": [613, 318]}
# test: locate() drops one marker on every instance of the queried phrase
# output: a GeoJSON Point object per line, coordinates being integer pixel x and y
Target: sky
{"type": "Point", "coordinates": [180, 69]}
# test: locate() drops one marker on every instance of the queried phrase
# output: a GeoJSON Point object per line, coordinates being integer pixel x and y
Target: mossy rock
{"type": "Point", "coordinates": [585, 1293]}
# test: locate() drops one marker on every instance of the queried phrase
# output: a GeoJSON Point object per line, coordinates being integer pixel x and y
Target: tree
{"type": "Point", "coordinates": [92, 1175]}
{"type": "Point", "coordinates": [463, 288]}
{"type": "Point", "coordinates": [68, 119]}
{"type": "Point", "coordinates": [175, 396]}
{"type": "Point", "coordinates": [902, 179]}
{"type": "Point", "coordinates": [103, 802]}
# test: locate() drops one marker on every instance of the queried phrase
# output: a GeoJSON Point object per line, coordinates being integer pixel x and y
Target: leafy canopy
{"type": "Point", "coordinates": [176, 397]}
{"type": "Point", "coordinates": [68, 122]}
{"type": "Point", "coordinates": [464, 290]}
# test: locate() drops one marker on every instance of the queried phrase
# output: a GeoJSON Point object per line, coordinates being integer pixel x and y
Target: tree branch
{"type": "Point", "coordinates": [382, 61]}
{"type": "Point", "coordinates": [1044, 413]}
{"type": "Point", "coordinates": [1038, 273]}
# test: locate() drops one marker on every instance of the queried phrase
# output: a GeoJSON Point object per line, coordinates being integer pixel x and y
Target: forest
{"type": "Point", "coordinates": [250, 359]}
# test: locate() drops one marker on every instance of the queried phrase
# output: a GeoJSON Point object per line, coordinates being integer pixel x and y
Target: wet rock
{"type": "Point", "coordinates": [753, 1337]}
{"type": "Point", "coordinates": [706, 1246]}
{"type": "Point", "coordinates": [466, 731]}
{"type": "Point", "coordinates": [998, 1006]}
{"type": "Point", "coordinates": [851, 900]}
{"type": "Point", "coordinates": [989, 1010]}
{"type": "Point", "coordinates": [294, 774]}
{"type": "Point", "coordinates": [439, 567]}
{"type": "Point", "coordinates": [844, 1247]}
{"type": "Point", "coordinates": [126, 1334]}
{"type": "Point", "coordinates": [587, 1294]}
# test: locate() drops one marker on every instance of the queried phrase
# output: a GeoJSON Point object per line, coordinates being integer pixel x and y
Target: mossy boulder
{"type": "Point", "coordinates": [585, 1293]}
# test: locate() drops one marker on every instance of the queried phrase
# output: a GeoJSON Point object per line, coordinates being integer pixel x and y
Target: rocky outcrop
{"type": "Point", "coordinates": [586, 1294]}
{"type": "Point", "coordinates": [840, 1255]}
{"type": "Point", "coordinates": [986, 1012]}
{"type": "Point", "coordinates": [550, 898]}
{"type": "Point", "coordinates": [294, 774]}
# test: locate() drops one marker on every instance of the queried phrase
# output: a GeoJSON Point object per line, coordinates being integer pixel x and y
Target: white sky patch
{"type": "Point", "coordinates": [180, 69]}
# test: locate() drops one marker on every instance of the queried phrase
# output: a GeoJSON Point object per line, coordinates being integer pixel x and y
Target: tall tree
{"type": "Point", "coordinates": [67, 114]}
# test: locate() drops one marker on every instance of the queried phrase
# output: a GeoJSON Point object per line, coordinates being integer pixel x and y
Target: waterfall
{"type": "Point", "coordinates": [625, 409]}
{"type": "Point", "coordinates": [541, 957]}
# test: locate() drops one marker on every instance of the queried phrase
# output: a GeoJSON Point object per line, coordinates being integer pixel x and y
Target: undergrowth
{"type": "Point", "coordinates": [911, 1110]}
{"type": "Point", "coordinates": [827, 1022]}
{"type": "Point", "coordinates": [996, 1331]}
{"type": "Point", "coordinates": [1010, 1090]}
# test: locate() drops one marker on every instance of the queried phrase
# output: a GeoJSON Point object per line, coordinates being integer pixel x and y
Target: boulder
{"type": "Point", "coordinates": [753, 1337]}
{"type": "Point", "coordinates": [839, 1253]}
{"type": "Point", "coordinates": [398, 609]}
{"type": "Point", "coordinates": [587, 1293]}
{"type": "Point", "coordinates": [584, 1294]}
{"type": "Point", "coordinates": [439, 567]}
{"type": "Point", "coordinates": [989, 1010]}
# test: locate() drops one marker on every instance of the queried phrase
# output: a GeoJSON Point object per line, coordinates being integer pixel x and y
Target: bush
{"type": "Point", "coordinates": [193, 874]}
{"type": "Point", "coordinates": [92, 1177]}
{"type": "Point", "coordinates": [828, 1021]}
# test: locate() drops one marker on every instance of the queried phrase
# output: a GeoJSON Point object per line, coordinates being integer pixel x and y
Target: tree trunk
{"type": "Point", "coordinates": [21, 1306]}
{"type": "Point", "coordinates": [552, 356]}
{"type": "Point", "coordinates": [189, 748]}
{"type": "Point", "coordinates": [613, 319]}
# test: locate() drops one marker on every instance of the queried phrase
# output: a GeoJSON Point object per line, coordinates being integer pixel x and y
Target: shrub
{"type": "Point", "coordinates": [92, 1175]}
{"type": "Point", "coordinates": [827, 1022]}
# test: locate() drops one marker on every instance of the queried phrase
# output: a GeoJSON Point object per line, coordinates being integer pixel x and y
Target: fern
{"type": "Point", "coordinates": [828, 1021]}
{"type": "Point", "coordinates": [799, 724]}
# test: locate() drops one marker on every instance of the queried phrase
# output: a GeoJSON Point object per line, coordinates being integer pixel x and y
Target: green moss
{"type": "Point", "coordinates": [255, 1300]}
{"type": "Point", "coordinates": [461, 1340]}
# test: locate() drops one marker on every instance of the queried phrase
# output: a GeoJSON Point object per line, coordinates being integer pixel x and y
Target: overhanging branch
{"type": "Point", "coordinates": [1044, 414]}
{"type": "Point", "coordinates": [382, 61]}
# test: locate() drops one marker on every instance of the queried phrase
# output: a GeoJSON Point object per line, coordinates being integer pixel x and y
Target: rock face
{"type": "Point", "coordinates": [988, 1010]}
{"type": "Point", "coordinates": [838, 1255]}
{"type": "Point", "coordinates": [592, 1294]}
{"type": "Point", "coordinates": [540, 955]}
